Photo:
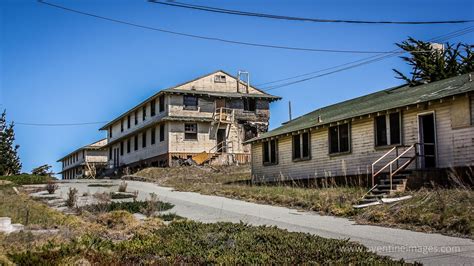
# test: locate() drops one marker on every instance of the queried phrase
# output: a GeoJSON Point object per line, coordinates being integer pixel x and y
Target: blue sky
{"type": "Point", "coordinates": [61, 67]}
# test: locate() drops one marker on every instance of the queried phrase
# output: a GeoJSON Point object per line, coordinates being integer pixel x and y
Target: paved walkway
{"type": "Point", "coordinates": [433, 249]}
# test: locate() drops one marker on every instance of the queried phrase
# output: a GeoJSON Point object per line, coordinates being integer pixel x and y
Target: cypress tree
{"type": "Point", "coordinates": [9, 161]}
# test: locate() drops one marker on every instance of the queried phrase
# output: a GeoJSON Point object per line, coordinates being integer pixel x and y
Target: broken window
{"type": "Point", "coordinates": [388, 129]}
{"type": "Point", "coordinates": [219, 79]}
{"type": "Point", "coordinates": [153, 135]}
{"type": "Point", "coordinates": [190, 131]}
{"type": "Point", "coordinates": [339, 138]}
{"type": "Point", "coordinates": [152, 107]}
{"type": "Point", "coordinates": [250, 132]}
{"type": "Point", "coordinates": [270, 152]}
{"type": "Point", "coordinates": [144, 139]}
{"type": "Point", "coordinates": [250, 104]}
{"type": "Point", "coordinates": [190, 102]}
{"type": "Point", "coordinates": [162, 132]}
{"type": "Point", "coordinates": [161, 100]}
{"type": "Point", "coordinates": [301, 146]}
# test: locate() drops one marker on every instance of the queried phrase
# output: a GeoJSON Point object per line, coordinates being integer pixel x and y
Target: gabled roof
{"type": "Point", "coordinates": [174, 89]}
{"type": "Point", "coordinates": [392, 98]}
{"type": "Point", "coordinates": [93, 146]}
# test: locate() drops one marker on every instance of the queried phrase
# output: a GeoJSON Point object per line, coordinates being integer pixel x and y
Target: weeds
{"type": "Point", "coordinates": [71, 198]}
{"type": "Point", "coordinates": [122, 187]}
{"type": "Point", "coordinates": [51, 187]}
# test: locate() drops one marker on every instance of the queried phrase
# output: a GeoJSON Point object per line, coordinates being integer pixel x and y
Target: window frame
{"type": "Point", "coordinates": [136, 117]}
{"type": "Point", "coordinates": [135, 143]}
{"type": "Point", "coordinates": [388, 131]}
{"type": "Point", "coordinates": [247, 105]}
{"type": "Point", "coordinates": [162, 132]}
{"type": "Point", "coordinates": [161, 102]}
{"type": "Point", "coordinates": [190, 107]}
{"type": "Point", "coordinates": [129, 145]}
{"type": "Point", "coordinates": [301, 148]}
{"type": "Point", "coordinates": [144, 139]}
{"type": "Point", "coordinates": [121, 125]}
{"type": "Point", "coordinates": [153, 136]}
{"type": "Point", "coordinates": [349, 139]}
{"type": "Point", "coordinates": [128, 122]}
{"type": "Point", "coordinates": [121, 148]}
{"type": "Point", "coordinates": [144, 113]}
{"type": "Point", "coordinates": [267, 148]}
{"type": "Point", "coordinates": [187, 133]}
{"type": "Point", "coordinates": [152, 108]}
{"type": "Point", "coordinates": [220, 79]}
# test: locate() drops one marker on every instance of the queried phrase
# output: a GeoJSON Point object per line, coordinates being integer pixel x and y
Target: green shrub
{"type": "Point", "coordinates": [132, 207]}
{"type": "Point", "coordinates": [26, 179]}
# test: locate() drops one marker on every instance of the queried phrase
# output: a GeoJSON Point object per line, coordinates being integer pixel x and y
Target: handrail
{"type": "Point", "coordinates": [390, 164]}
{"type": "Point", "coordinates": [378, 160]}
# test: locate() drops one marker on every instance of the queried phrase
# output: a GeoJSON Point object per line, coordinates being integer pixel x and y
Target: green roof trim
{"type": "Point", "coordinates": [383, 100]}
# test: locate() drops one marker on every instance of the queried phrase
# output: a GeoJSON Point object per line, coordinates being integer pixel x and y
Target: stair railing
{"type": "Point", "coordinates": [223, 114]}
{"type": "Point", "coordinates": [394, 170]}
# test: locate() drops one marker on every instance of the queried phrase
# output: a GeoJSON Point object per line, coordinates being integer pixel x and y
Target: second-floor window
{"type": "Point", "coordinates": [301, 146]}
{"type": "Point", "coordinates": [152, 107]}
{"type": "Point", "coordinates": [128, 121]}
{"type": "Point", "coordinates": [190, 102]}
{"type": "Point", "coordinates": [144, 139]}
{"type": "Point", "coordinates": [270, 152]}
{"type": "Point", "coordinates": [190, 131]}
{"type": "Point", "coordinates": [135, 143]}
{"type": "Point", "coordinates": [136, 117]}
{"type": "Point", "coordinates": [129, 144]}
{"type": "Point", "coordinates": [121, 125]}
{"type": "Point", "coordinates": [110, 132]}
{"type": "Point", "coordinates": [339, 138]}
{"type": "Point", "coordinates": [153, 135]}
{"type": "Point", "coordinates": [144, 113]}
{"type": "Point", "coordinates": [388, 129]}
{"type": "Point", "coordinates": [250, 104]}
{"type": "Point", "coordinates": [161, 100]}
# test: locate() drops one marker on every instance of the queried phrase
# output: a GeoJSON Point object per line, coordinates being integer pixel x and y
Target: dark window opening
{"type": "Point", "coordinates": [162, 133]}
{"type": "Point", "coordinates": [387, 130]}
{"type": "Point", "coordinates": [121, 148]}
{"type": "Point", "coordinates": [121, 125]}
{"type": "Point", "coordinates": [128, 145]}
{"type": "Point", "coordinates": [152, 108]}
{"type": "Point", "coordinates": [144, 113]}
{"type": "Point", "coordinates": [250, 132]}
{"type": "Point", "coordinates": [161, 100]}
{"type": "Point", "coordinates": [144, 139]}
{"type": "Point", "coordinates": [190, 131]}
{"type": "Point", "coordinates": [270, 152]}
{"type": "Point", "coordinates": [190, 102]}
{"type": "Point", "coordinates": [135, 143]}
{"type": "Point", "coordinates": [339, 139]}
{"type": "Point", "coordinates": [110, 153]}
{"type": "Point", "coordinates": [250, 104]}
{"type": "Point", "coordinates": [136, 117]}
{"type": "Point", "coordinates": [153, 136]}
{"type": "Point", "coordinates": [301, 146]}
{"type": "Point", "coordinates": [110, 132]}
{"type": "Point", "coordinates": [128, 121]}
{"type": "Point", "coordinates": [219, 79]}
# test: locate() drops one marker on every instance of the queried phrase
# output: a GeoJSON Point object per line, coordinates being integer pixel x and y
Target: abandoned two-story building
{"type": "Point", "coordinates": [385, 133]}
{"type": "Point", "coordinates": [205, 118]}
{"type": "Point", "coordinates": [85, 162]}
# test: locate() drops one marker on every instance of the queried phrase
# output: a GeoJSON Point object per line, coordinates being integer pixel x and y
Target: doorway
{"type": "Point", "coordinates": [427, 137]}
{"type": "Point", "coordinates": [221, 143]}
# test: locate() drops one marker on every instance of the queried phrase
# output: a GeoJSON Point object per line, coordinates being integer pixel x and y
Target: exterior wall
{"type": "Point", "coordinates": [455, 146]}
{"type": "Point", "coordinates": [74, 164]}
{"type": "Point", "coordinates": [96, 156]}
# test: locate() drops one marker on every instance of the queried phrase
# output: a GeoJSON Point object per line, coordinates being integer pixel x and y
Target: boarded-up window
{"type": "Point", "coordinates": [388, 129]}
{"type": "Point", "coordinates": [190, 102]}
{"type": "Point", "coordinates": [301, 146]}
{"type": "Point", "coordinates": [339, 139]}
{"type": "Point", "coordinates": [270, 152]}
{"type": "Point", "coordinates": [460, 113]}
{"type": "Point", "coordinates": [190, 131]}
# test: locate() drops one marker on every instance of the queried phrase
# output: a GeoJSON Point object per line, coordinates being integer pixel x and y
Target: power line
{"type": "Point", "coordinates": [215, 38]}
{"type": "Point", "coordinates": [359, 62]}
{"type": "Point", "coordinates": [317, 20]}
{"type": "Point", "coordinates": [57, 124]}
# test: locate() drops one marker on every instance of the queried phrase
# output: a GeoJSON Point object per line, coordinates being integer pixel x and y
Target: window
{"type": "Point", "coordinates": [144, 139]}
{"type": "Point", "coordinates": [388, 129]}
{"type": "Point", "coordinates": [121, 125]}
{"type": "Point", "coordinates": [128, 145]}
{"type": "Point", "coordinates": [190, 131]}
{"type": "Point", "coordinates": [136, 117]}
{"type": "Point", "coordinates": [128, 121]}
{"type": "Point", "coordinates": [110, 153]}
{"type": "Point", "coordinates": [144, 113]}
{"type": "Point", "coordinates": [152, 108]}
{"type": "Point", "coordinates": [162, 103]}
{"type": "Point", "coordinates": [162, 132]}
{"type": "Point", "coordinates": [110, 132]}
{"type": "Point", "coordinates": [121, 148]}
{"type": "Point", "coordinates": [270, 152]}
{"type": "Point", "coordinates": [219, 79]}
{"type": "Point", "coordinates": [250, 104]}
{"type": "Point", "coordinates": [135, 142]}
{"type": "Point", "coordinates": [339, 138]}
{"type": "Point", "coordinates": [301, 146]}
{"type": "Point", "coordinates": [190, 102]}
{"type": "Point", "coordinates": [153, 136]}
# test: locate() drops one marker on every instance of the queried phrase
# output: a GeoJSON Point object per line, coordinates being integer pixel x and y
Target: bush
{"type": "Point", "coordinates": [26, 179]}
{"type": "Point", "coordinates": [132, 207]}
{"type": "Point", "coordinates": [122, 187]}
{"type": "Point", "coordinates": [71, 198]}
{"type": "Point", "coordinates": [51, 187]}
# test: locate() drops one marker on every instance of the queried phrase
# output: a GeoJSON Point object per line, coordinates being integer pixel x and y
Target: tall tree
{"type": "Point", "coordinates": [432, 62]}
{"type": "Point", "coordinates": [9, 161]}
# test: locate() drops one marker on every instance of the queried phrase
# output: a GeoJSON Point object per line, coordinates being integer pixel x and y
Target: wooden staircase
{"type": "Point", "coordinates": [383, 188]}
